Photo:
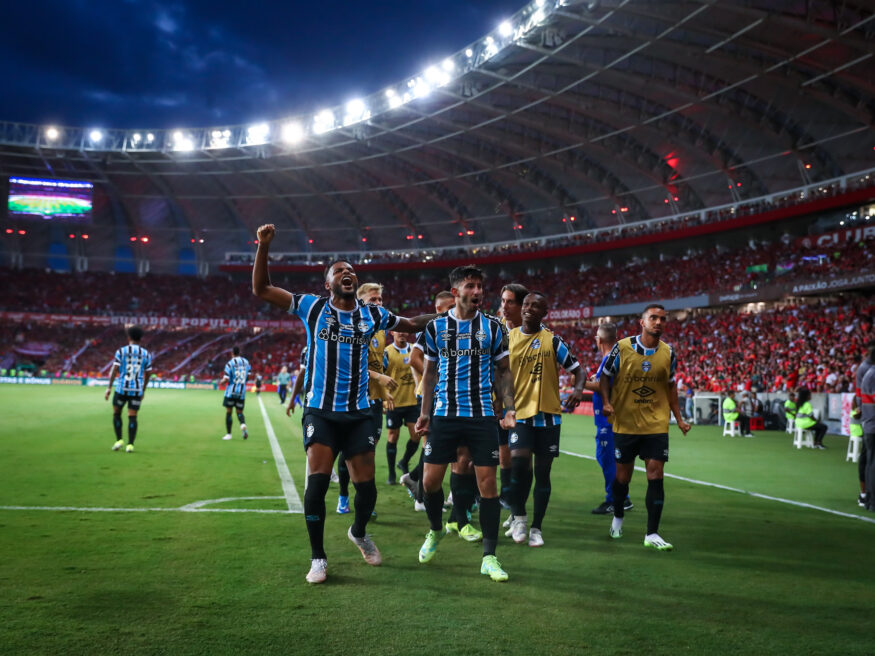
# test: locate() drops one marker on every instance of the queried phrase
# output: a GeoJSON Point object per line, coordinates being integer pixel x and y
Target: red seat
{"type": "Point", "coordinates": [756, 423]}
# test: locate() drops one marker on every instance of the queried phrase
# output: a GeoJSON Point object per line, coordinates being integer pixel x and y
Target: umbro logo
{"type": "Point", "coordinates": [644, 391]}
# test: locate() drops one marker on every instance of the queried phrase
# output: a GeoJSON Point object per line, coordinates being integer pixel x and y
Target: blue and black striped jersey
{"type": "Point", "coordinates": [133, 361]}
{"type": "Point", "coordinates": [465, 352]}
{"type": "Point", "coordinates": [237, 370]}
{"type": "Point", "coordinates": [337, 351]}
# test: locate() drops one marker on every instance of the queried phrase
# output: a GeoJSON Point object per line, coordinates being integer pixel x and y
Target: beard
{"type": "Point", "coordinates": [337, 290]}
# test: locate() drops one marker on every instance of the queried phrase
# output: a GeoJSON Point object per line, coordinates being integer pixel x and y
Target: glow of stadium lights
{"type": "Point", "coordinates": [137, 137]}
{"type": "Point", "coordinates": [470, 232]}
{"type": "Point", "coordinates": [292, 133]}
{"type": "Point", "coordinates": [309, 241]}
{"type": "Point", "coordinates": [436, 76]}
{"type": "Point", "coordinates": [448, 65]}
{"type": "Point", "coordinates": [84, 236]}
{"type": "Point", "coordinates": [200, 241]}
{"type": "Point", "coordinates": [182, 142]}
{"type": "Point", "coordinates": [72, 236]}
{"type": "Point", "coordinates": [9, 231]}
{"type": "Point", "coordinates": [505, 29]}
{"type": "Point", "coordinates": [539, 3]}
{"type": "Point", "coordinates": [22, 232]}
{"type": "Point", "coordinates": [145, 240]}
{"type": "Point", "coordinates": [538, 17]}
{"type": "Point", "coordinates": [420, 87]}
{"type": "Point", "coordinates": [219, 138]}
{"type": "Point", "coordinates": [624, 209]}
{"type": "Point", "coordinates": [323, 121]}
{"type": "Point", "coordinates": [808, 166]}
{"type": "Point", "coordinates": [364, 239]}
{"type": "Point", "coordinates": [96, 136]}
{"type": "Point", "coordinates": [52, 133]}
{"type": "Point", "coordinates": [133, 239]}
{"type": "Point", "coordinates": [572, 219]}
{"type": "Point", "coordinates": [469, 53]}
{"type": "Point", "coordinates": [150, 138]}
{"type": "Point", "coordinates": [460, 234]}
{"type": "Point", "coordinates": [257, 134]}
{"type": "Point", "coordinates": [394, 99]}
{"type": "Point", "coordinates": [419, 236]}
{"type": "Point", "coordinates": [356, 111]}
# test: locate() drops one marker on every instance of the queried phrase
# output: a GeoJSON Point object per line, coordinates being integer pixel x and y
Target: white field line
{"type": "Point", "coordinates": [799, 504]}
{"type": "Point", "coordinates": [289, 490]}
{"type": "Point", "coordinates": [184, 509]}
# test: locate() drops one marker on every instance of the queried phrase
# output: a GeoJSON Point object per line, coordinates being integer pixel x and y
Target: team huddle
{"type": "Point", "coordinates": [479, 392]}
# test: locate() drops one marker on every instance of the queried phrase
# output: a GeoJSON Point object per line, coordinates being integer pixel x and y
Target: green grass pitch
{"type": "Point", "coordinates": [749, 574]}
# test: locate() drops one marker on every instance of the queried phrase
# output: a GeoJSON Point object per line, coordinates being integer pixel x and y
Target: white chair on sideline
{"type": "Point", "coordinates": [731, 428]}
{"type": "Point", "coordinates": [791, 426]}
{"type": "Point", "coordinates": [855, 445]}
{"type": "Point", "coordinates": [803, 438]}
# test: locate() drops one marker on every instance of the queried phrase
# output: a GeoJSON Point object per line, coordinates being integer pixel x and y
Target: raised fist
{"type": "Point", "coordinates": [266, 233]}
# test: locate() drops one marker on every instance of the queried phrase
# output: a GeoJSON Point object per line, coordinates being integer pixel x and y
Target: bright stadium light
{"type": "Point", "coordinates": [52, 133]}
{"type": "Point", "coordinates": [219, 138]}
{"type": "Point", "coordinates": [292, 132]}
{"type": "Point", "coordinates": [323, 121]}
{"type": "Point", "coordinates": [356, 111]}
{"type": "Point", "coordinates": [505, 29]}
{"type": "Point", "coordinates": [137, 137]}
{"type": "Point", "coordinates": [96, 136]}
{"type": "Point", "coordinates": [448, 65]}
{"type": "Point", "coordinates": [469, 53]}
{"type": "Point", "coordinates": [150, 138]}
{"type": "Point", "coordinates": [436, 76]}
{"type": "Point", "coordinates": [182, 142]}
{"type": "Point", "coordinates": [419, 87]}
{"type": "Point", "coordinates": [257, 134]}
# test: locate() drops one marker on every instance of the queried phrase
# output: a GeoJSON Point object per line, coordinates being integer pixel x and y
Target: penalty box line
{"type": "Point", "coordinates": [791, 502]}
{"type": "Point", "coordinates": [289, 490]}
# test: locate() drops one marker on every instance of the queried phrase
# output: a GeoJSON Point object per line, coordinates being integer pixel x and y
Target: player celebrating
{"type": "Point", "coordinates": [461, 348]}
{"type": "Point", "coordinates": [512, 296]}
{"type": "Point", "coordinates": [134, 363]}
{"type": "Point", "coordinates": [336, 414]}
{"type": "Point", "coordinates": [639, 381]}
{"type": "Point", "coordinates": [535, 357]}
{"type": "Point", "coordinates": [236, 375]}
{"type": "Point", "coordinates": [402, 405]}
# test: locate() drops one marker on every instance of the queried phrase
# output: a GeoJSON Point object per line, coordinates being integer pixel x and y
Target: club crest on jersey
{"type": "Point", "coordinates": [536, 344]}
{"type": "Point", "coordinates": [646, 366]}
{"type": "Point", "coordinates": [310, 430]}
{"type": "Point", "coordinates": [514, 438]}
{"type": "Point", "coordinates": [617, 454]}
{"type": "Point", "coordinates": [427, 448]}
{"type": "Point", "coordinates": [480, 335]}
{"type": "Point", "coordinates": [364, 326]}
{"type": "Point", "coordinates": [374, 342]}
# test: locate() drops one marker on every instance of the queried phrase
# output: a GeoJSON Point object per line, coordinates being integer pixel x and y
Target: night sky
{"type": "Point", "coordinates": [162, 64]}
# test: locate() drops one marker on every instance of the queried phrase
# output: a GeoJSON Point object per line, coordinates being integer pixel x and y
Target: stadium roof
{"type": "Point", "coordinates": [605, 111]}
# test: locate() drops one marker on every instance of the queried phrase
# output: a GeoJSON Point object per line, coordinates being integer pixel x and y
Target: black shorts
{"type": "Point", "coordinates": [234, 402]}
{"type": "Point", "coordinates": [377, 412]}
{"type": "Point", "coordinates": [542, 442]}
{"type": "Point", "coordinates": [407, 414]}
{"type": "Point", "coordinates": [647, 447]}
{"type": "Point", "coordinates": [479, 434]}
{"type": "Point", "coordinates": [351, 432]}
{"type": "Point", "coordinates": [133, 400]}
{"type": "Point", "coordinates": [502, 436]}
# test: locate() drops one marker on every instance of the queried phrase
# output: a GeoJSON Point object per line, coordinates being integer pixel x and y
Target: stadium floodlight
{"type": "Point", "coordinates": [469, 53]}
{"type": "Point", "coordinates": [419, 87]}
{"type": "Point", "coordinates": [182, 142]}
{"type": "Point", "coordinates": [257, 134]}
{"type": "Point", "coordinates": [448, 65]}
{"type": "Point", "coordinates": [137, 137]}
{"type": "Point", "coordinates": [539, 3]}
{"type": "Point", "coordinates": [292, 133]}
{"type": "Point", "coordinates": [323, 122]}
{"type": "Point", "coordinates": [96, 136]}
{"type": "Point", "coordinates": [356, 111]}
{"type": "Point", "coordinates": [394, 99]}
{"type": "Point", "coordinates": [505, 29]}
{"type": "Point", "coordinates": [52, 133]}
{"type": "Point", "coordinates": [150, 138]}
{"type": "Point", "coordinates": [219, 138]}
{"type": "Point", "coordinates": [436, 76]}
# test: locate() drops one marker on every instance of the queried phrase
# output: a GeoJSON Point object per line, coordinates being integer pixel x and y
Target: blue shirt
{"type": "Point", "coordinates": [133, 361]}
{"type": "Point", "coordinates": [336, 376]}
{"type": "Point", "coordinates": [237, 370]}
{"type": "Point", "coordinates": [465, 352]}
{"type": "Point", "coordinates": [598, 402]}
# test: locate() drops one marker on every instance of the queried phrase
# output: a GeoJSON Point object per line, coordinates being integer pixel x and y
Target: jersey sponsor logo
{"type": "Point", "coordinates": [644, 391]}
{"type": "Point", "coordinates": [646, 365]}
{"type": "Point", "coordinates": [536, 344]}
{"type": "Point", "coordinates": [462, 352]}
{"type": "Point", "coordinates": [330, 336]}
{"type": "Point", "coordinates": [480, 335]}
{"type": "Point", "coordinates": [463, 336]}
{"type": "Point", "coordinates": [427, 448]}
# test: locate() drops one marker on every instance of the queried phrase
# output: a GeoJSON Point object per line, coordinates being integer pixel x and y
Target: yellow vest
{"type": "Point", "coordinates": [729, 409]}
{"type": "Point", "coordinates": [535, 373]}
{"type": "Point", "coordinates": [375, 363]}
{"type": "Point", "coordinates": [640, 390]}
{"type": "Point", "coordinates": [398, 368]}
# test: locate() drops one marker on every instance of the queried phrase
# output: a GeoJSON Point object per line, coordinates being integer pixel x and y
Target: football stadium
{"type": "Point", "coordinates": [561, 343]}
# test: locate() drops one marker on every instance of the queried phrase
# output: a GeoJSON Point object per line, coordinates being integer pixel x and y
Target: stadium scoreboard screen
{"type": "Point", "coordinates": [37, 198]}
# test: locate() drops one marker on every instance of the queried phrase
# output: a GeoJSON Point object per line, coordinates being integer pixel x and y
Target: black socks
{"type": "Point", "coordinates": [654, 500]}
{"type": "Point", "coordinates": [314, 512]}
{"type": "Point", "coordinates": [365, 500]}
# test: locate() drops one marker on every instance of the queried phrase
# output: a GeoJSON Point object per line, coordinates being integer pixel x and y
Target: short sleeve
{"type": "Point", "coordinates": [500, 349]}
{"type": "Point", "coordinates": [612, 364]}
{"type": "Point", "coordinates": [388, 321]}
{"type": "Point", "coordinates": [148, 366]}
{"type": "Point", "coordinates": [420, 342]}
{"type": "Point", "coordinates": [430, 342]}
{"type": "Point", "coordinates": [564, 357]}
{"type": "Point", "coordinates": [301, 304]}
{"type": "Point", "coordinates": [229, 371]}
{"type": "Point", "coordinates": [117, 359]}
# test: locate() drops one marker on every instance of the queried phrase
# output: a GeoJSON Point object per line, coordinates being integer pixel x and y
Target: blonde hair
{"type": "Point", "coordinates": [367, 288]}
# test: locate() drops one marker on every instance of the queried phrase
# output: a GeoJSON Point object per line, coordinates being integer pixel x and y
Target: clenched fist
{"type": "Point", "coordinates": [266, 233]}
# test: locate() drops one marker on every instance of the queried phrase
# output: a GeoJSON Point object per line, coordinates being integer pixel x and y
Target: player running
{"type": "Point", "coordinates": [134, 363]}
{"type": "Point", "coordinates": [461, 348]}
{"type": "Point", "coordinates": [639, 390]}
{"type": "Point", "coordinates": [336, 414]}
{"type": "Point", "coordinates": [236, 374]}
{"type": "Point", "coordinates": [536, 354]}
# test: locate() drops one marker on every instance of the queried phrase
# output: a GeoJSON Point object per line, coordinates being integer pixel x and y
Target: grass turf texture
{"type": "Point", "coordinates": [748, 575]}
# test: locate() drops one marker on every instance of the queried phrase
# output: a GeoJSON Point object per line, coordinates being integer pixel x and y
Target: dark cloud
{"type": "Point", "coordinates": [164, 64]}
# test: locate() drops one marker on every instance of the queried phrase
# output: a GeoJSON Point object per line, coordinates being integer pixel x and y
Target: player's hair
{"type": "Point", "coordinates": [462, 273]}
{"type": "Point", "coordinates": [608, 332]}
{"type": "Point", "coordinates": [331, 264]}
{"type": "Point", "coordinates": [367, 288]}
{"type": "Point", "coordinates": [135, 333]}
{"type": "Point", "coordinates": [652, 306]}
{"type": "Point", "coordinates": [519, 291]}
{"type": "Point", "coordinates": [236, 350]}
{"type": "Point", "coordinates": [440, 296]}
{"type": "Point", "coordinates": [870, 347]}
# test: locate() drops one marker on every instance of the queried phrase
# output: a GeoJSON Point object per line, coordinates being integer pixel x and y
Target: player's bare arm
{"type": "Point", "coordinates": [261, 286]}
{"type": "Point", "coordinates": [576, 397]}
{"type": "Point", "coordinates": [504, 387]}
{"type": "Point", "coordinates": [429, 380]}
{"type": "Point", "coordinates": [112, 374]}
{"type": "Point", "coordinates": [605, 391]}
{"type": "Point", "coordinates": [676, 408]}
{"type": "Point", "coordinates": [414, 325]}
{"type": "Point", "coordinates": [296, 390]}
